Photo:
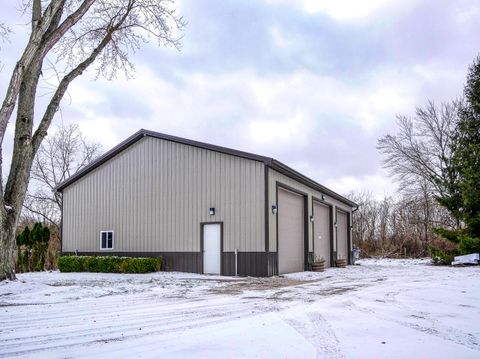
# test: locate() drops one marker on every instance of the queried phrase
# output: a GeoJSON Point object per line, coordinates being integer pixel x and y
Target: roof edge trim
{"type": "Point", "coordinates": [143, 133]}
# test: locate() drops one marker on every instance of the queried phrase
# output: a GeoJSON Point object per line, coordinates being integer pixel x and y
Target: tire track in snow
{"type": "Point", "coordinates": [429, 326]}
{"type": "Point", "coordinates": [96, 305]}
{"type": "Point", "coordinates": [433, 326]}
{"type": "Point", "coordinates": [85, 310]}
{"type": "Point", "coordinates": [209, 315]}
{"type": "Point", "coordinates": [316, 330]}
{"type": "Point", "coordinates": [102, 325]}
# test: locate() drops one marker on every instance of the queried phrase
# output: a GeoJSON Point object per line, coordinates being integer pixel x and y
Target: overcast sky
{"type": "Point", "coordinates": [313, 84]}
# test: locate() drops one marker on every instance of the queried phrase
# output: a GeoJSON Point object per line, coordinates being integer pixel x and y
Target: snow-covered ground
{"type": "Point", "coordinates": [378, 309]}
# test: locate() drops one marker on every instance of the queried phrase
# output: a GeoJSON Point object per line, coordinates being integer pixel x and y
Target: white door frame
{"type": "Point", "coordinates": [202, 245]}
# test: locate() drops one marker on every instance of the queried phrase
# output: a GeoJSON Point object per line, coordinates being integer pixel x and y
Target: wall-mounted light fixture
{"type": "Point", "coordinates": [211, 211]}
{"type": "Point", "coordinates": [323, 197]}
{"type": "Point", "coordinates": [312, 219]}
{"type": "Point", "coordinates": [274, 209]}
{"type": "Point", "coordinates": [335, 224]}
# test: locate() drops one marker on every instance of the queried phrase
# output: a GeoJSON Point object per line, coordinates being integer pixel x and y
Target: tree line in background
{"type": "Point", "coordinates": [435, 157]}
{"type": "Point", "coordinates": [399, 226]}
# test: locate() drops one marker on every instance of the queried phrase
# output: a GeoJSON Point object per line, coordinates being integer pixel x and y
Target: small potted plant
{"type": "Point", "coordinates": [318, 264]}
{"type": "Point", "coordinates": [341, 262]}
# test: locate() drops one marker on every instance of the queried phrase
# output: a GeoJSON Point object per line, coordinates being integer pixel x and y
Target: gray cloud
{"type": "Point", "coordinates": [305, 88]}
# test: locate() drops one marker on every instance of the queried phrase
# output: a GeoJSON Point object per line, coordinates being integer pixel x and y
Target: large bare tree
{"type": "Point", "coordinates": [419, 155]}
{"type": "Point", "coordinates": [74, 34]}
{"type": "Point", "coordinates": [60, 155]}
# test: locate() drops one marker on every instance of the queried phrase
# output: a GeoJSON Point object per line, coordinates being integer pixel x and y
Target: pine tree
{"type": "Point", "coordinates": [465, 165]}
{"type": "Point", "coordinates": [24, 242]}
{"type": "Point", "coordinates": [468, 157]}
{"type": "Point", "coordinates": [467, 153]}
{"type": "Point", "coordinates": [40, 238]}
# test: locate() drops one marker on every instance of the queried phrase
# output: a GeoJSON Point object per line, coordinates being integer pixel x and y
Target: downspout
{"type": "Point", "coordinates": [236, 262]}
{"type": "Point", "coordinates": [351, 236]}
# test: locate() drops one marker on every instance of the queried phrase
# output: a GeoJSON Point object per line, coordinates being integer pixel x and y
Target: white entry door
{"type": "Point", "coordinates": [211, 248]}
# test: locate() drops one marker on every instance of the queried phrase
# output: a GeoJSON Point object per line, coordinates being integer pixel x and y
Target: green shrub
{"type": "Point", "coordinates": [71, 263]}
{"type": "Point", "coordinates": [103, 264]}
{"type": "Point", "coordinates": [139, 265]}
{"type": "Point", "coordinates": [110, 264]}
{"type": "Point", "coordinates": [443, 251]}
{"type": "Point", "coordinates": [466, 243]}
{"type": "Point", "coordinates": [469, 245]}
{"type": "Point", "coordinates": [442, 257]}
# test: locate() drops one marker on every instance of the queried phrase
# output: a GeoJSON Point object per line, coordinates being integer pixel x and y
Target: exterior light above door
{"type": "Point", "coordinates": [274, 209]}
{"type": "Point", "coordinates": [212, 211]}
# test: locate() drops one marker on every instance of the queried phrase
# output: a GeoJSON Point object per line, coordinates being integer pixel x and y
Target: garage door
{"type": "Point", "coordinates": [342, 235]}
{"type": "Point", "coordinates": [290, 232]}
{"type": "Point", "coordinates": [321, 231]}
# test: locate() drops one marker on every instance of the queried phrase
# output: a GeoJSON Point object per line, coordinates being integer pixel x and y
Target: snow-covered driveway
{"type": "Point", "coordinates": [379, 309]}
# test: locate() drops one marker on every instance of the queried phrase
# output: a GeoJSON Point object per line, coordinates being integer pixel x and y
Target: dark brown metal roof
{"type": "Point", "coordinates": [272, 163]}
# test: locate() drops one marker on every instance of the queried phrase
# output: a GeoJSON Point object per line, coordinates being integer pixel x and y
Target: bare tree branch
{"type": "Point", "coordinates": [52, 107]}
{"type": "Point", "coordinates": [28, 55]}
{"type": "Point", "coordinates": [42, 214]}
{"type": "Point", "coordinates": [60, 155]}
{"type": "Point", "coordinates": [420, 150]}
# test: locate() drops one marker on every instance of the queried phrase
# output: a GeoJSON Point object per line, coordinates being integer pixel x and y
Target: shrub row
{"type": "Point", "coordinates": [110, 264]}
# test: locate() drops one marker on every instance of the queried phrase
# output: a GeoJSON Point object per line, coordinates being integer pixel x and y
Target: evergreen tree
{"type": "Point", "coordinates": [464, 201]}
{"type": "Point", "coordinates": [40, 238]}
{"type": "Point", "coordinates": [45, 234]}
{"type": "Point", "coordinates": [27, 237]}
{"type": "Point", "coordinates": [467, 152]}
{"type": "Point", "coordinates": [24, 242]}
{"type": "Point", "coordinates": [32, 248]}
{"type": "Point", "coordinates": [37, 233]}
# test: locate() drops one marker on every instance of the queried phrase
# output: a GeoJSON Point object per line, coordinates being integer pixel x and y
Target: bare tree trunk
{"type": "Point", "coordinates": [7, 248]}
{"type": "Point", "coordinates": [20, 168]}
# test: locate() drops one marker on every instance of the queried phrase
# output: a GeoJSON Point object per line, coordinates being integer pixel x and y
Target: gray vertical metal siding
{"type": "Point", "coordinates": [273, 178]}
{"type": "Point", "coordinates": [155, 194]}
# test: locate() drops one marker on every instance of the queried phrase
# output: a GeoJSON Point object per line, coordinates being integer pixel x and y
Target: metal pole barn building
{"type": "Point", "coordinates": [203, 208]}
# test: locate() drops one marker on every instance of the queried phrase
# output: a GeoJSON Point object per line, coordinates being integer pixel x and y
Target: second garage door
{"type": "Point", "coordinates": [291, 220]}
{"type": "Point", "coordinates": [342, 235]}
{"type": "Point", "coordinates": [322, 232]}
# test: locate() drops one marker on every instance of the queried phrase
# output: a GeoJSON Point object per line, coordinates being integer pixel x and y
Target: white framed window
{"type": "Point", "coordinates": [106, 240]}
